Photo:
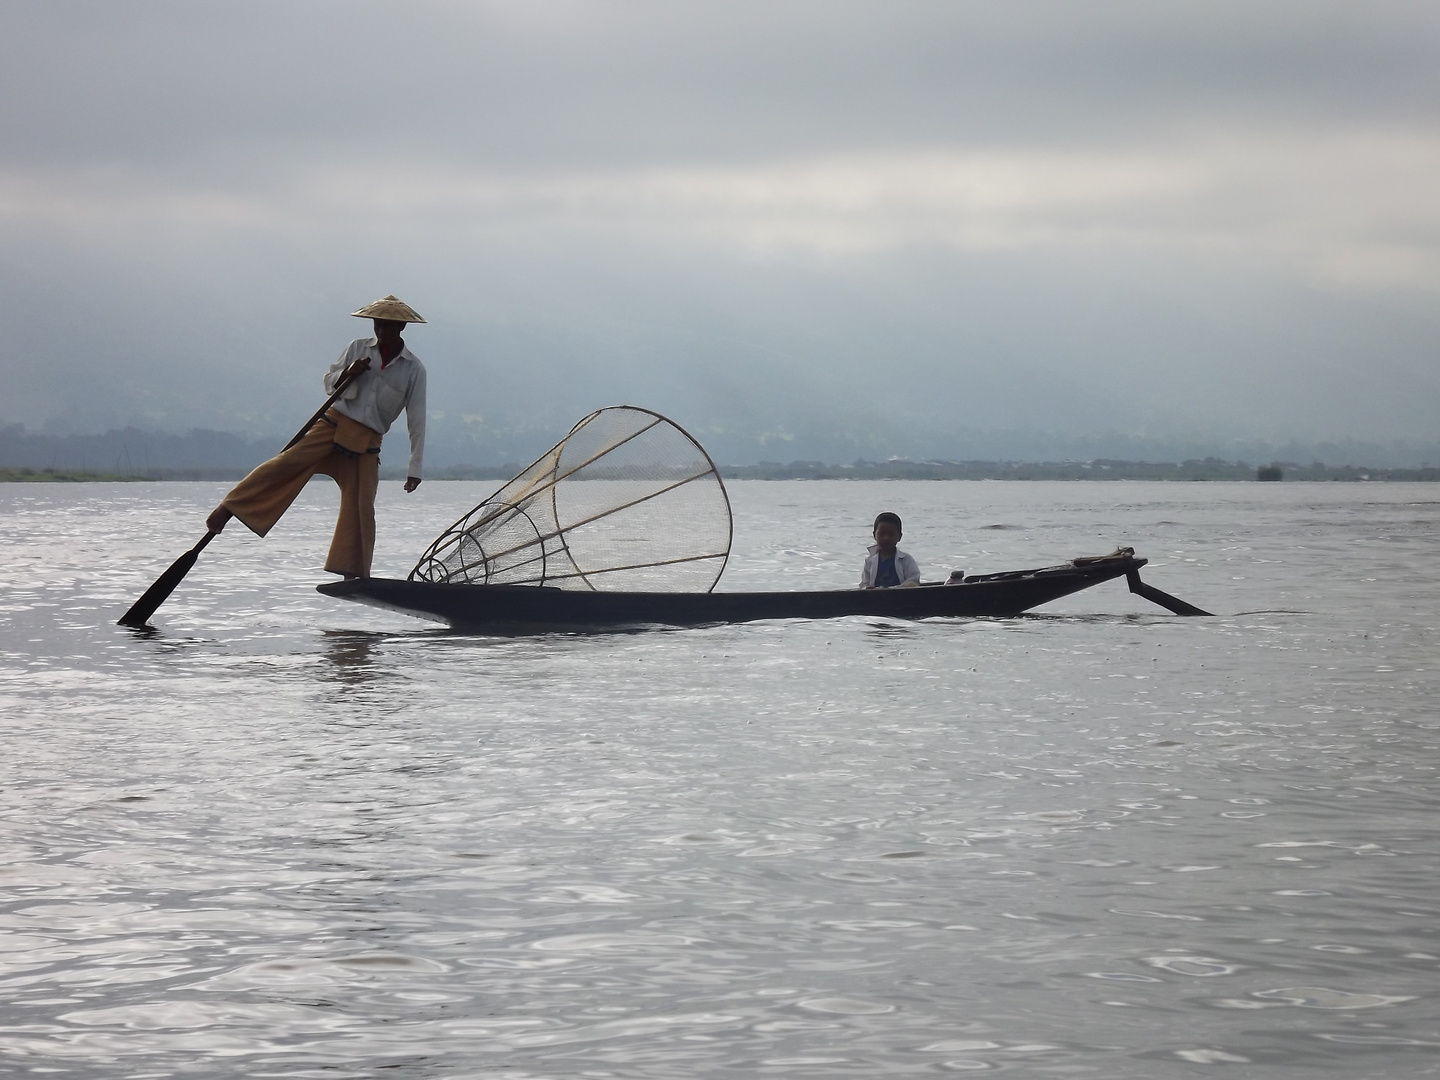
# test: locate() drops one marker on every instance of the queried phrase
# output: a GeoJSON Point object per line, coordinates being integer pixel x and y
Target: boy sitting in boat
{"type": "Point", "coordinates": [887, 567]}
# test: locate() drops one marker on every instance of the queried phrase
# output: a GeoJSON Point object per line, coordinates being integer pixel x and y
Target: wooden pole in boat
{"type": "Point", "coordinates": [139, 614]}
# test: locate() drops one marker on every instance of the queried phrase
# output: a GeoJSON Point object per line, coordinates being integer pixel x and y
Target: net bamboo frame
{"type": "Point", "coordinates": [628, 500]}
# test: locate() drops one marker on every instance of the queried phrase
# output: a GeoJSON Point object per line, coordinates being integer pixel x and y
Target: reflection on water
{"type": "Point", "coordinates": [285, 836]}
{"type": "Point", "coordinates": [891, 632]}
{"type": "Point", "coordinates": [349, 655]}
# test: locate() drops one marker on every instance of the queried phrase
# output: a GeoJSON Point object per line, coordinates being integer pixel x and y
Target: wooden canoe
{"type": "Point", "coordinates": [537, 609]}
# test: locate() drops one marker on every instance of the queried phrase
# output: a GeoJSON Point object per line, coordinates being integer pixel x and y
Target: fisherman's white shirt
{"type": "Point", "coordinates": [377, 397]}
{"type": "Point", "coordinates": [906, 569]}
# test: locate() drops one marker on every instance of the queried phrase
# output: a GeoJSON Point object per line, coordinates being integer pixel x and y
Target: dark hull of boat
{"type": "Point", "coordinates": [530, 609]}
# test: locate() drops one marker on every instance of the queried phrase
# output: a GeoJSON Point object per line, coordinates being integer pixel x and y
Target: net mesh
{"type": "Point", "coordinates": [626, 501]}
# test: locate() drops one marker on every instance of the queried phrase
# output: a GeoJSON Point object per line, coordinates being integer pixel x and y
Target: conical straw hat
{"type": "Point", "coordinates": [389, 307]}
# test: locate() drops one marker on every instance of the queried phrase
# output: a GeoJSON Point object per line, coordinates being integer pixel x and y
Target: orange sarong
{"type": "Point", "coordinates": [262, 497]}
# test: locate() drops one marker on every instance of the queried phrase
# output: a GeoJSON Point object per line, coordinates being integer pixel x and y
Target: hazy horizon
{"type": "Point", "coordinates": [803, 230]}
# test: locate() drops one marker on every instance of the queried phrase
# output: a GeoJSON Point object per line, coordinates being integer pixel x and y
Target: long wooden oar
{"type": "Point", "coordinates": [139, 614]}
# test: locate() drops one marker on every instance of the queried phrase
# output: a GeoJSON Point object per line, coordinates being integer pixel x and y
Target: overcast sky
{"type": "Point", "coordinates": [888, 225]}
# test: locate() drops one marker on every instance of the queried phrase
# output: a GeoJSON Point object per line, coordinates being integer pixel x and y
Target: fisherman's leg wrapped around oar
{"type": "Point", "coordinates": [262, 498]}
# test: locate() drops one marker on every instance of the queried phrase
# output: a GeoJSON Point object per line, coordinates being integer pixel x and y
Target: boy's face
{"type": "Point", "coordinates": [886, 537]}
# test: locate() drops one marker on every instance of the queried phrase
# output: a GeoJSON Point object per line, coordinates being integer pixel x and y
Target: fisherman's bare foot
{"type": "Point", "coordinates": [217, 519]}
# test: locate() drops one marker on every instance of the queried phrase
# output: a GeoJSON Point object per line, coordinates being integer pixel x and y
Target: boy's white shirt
{"type": "Point", "coordinates": [906, 568]}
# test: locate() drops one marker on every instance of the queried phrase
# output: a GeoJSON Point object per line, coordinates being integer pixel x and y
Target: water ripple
{"type": "Point", "coordinates": [283, 836]}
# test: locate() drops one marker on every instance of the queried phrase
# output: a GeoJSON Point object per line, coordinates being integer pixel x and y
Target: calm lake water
{"type": "Point", "coordinates": [284, 836]}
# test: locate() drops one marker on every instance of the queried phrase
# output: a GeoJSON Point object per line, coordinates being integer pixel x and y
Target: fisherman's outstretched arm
{"type": "Point", "coordinates": [415, 421]}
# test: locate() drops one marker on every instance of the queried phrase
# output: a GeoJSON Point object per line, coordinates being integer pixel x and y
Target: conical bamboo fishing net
{"type": "Point", "coordinates": [626, 501]}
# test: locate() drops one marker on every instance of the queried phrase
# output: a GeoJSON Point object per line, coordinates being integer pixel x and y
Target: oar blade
{"type": "Point", "coordinates": [139, 614]}
{"type": "Point", "coordinates": [1164, 599]}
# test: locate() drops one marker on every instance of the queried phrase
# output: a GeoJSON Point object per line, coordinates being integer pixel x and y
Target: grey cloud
{"type": "Point", "coordinates": [891, 221]}
{"type": "Point", "coordinates": [543, 83]}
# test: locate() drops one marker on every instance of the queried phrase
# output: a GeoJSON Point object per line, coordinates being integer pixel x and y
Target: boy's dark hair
{"type": "Point", "coordinates": [893, 519]}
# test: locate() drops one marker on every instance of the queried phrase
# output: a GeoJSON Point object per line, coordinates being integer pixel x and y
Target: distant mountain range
{"type": "Point", "coordinates": [219, 455]}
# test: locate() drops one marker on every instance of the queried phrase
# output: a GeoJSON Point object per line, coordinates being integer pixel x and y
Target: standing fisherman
{"type": "Point", "coordinates": [345, 442]}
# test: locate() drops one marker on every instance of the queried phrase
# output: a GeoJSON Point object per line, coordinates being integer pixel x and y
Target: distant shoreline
{"type": "Point", "coordinates": [1210, 469]}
